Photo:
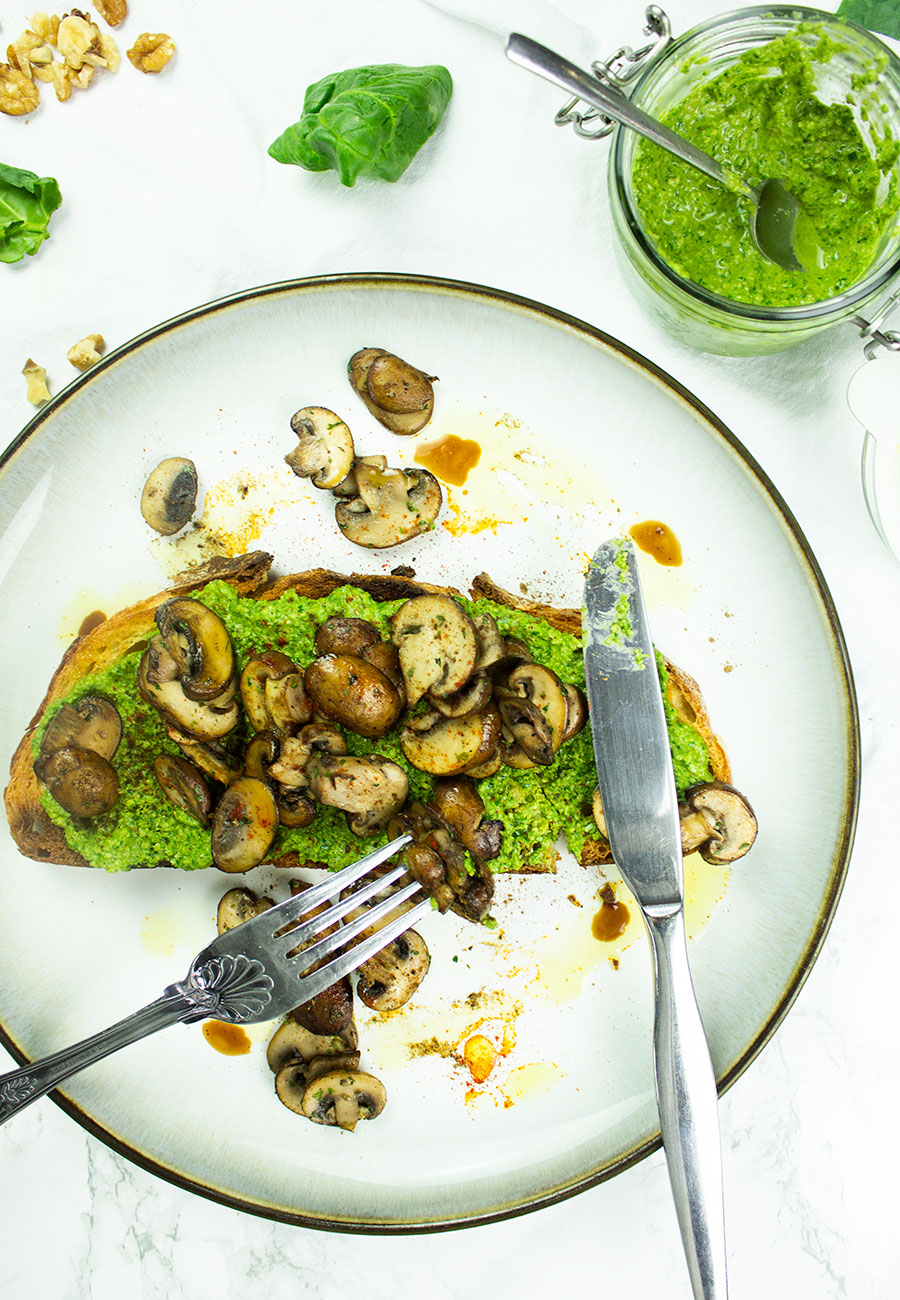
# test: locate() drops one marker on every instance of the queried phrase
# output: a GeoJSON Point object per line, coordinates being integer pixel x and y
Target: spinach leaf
{"type": "Point", "coordinates": [26, 202]}
{"type": "Point", "coordinates": [878, 15]}
{"type": "Point", "coordinates": [369, 121]}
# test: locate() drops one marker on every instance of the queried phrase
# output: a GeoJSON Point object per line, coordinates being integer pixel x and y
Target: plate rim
{"type": "Point", "coordinates": [502, 299]}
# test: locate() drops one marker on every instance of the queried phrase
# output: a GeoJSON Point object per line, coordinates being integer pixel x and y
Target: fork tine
{"type": "Point", "coordinates": [299, 904]}
{"type": "Point", "coordinates": [331, 942]}
{"type": "Point", "coordinates": [325, 976]}
{"type": "Point", "coordinates": [295, 935]}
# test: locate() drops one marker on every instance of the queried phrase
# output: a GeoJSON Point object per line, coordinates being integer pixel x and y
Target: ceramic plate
{"type": "Point", "coordinates": [580, 438]}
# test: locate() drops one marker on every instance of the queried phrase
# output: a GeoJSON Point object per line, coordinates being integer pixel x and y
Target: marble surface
{"type": "Point", "coordinates": [171, 201]}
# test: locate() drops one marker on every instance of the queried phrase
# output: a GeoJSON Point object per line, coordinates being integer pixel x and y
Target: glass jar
{"type": "Point", "coordinates": [706, 319]}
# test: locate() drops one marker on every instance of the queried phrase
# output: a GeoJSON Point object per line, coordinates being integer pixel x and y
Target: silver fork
{"type": "Point", "coordinates": [255, 971]}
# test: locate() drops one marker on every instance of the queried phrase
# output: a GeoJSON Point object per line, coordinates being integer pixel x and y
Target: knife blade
{"type": "Point", "coordinates": [628, 725]}
{"type": "Point", "coordinates": [640, 806]}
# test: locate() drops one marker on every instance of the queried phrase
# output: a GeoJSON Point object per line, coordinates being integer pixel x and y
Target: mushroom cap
{"type": "Point", "coordinates": [353, 692]}
{"type": "Point", "coordinates": [344, 1098]}
{"type": "Point", "coordinates": [329, 1012]}
{"type": "Point", "coordinates": [244, 825]}
{"type": "Point", "coordinates": [438, 646]}
{"type": "Point", "coordinates": [324, 451]}
{"type": "Point", "coordinates": [345, 636]}
{"type": "Point", "coordinates": [80, 781]}
{"type": "Point", "coordinates": [392, 506]}
{"type": "Point", "coordinates": [170, 495]}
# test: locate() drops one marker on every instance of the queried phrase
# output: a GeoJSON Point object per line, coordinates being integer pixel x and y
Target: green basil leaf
{"type": "Point", "coordinates": [369, 121]}
{"type": "Point", "coordinates": [26, 202]}
{"type": "Point", "coordinates": [878, 15]}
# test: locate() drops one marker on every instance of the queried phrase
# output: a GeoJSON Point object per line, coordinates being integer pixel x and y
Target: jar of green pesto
{"type": "Point", "coordinates": [788, 92]}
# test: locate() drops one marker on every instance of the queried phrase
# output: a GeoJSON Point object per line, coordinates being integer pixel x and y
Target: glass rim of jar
{"type": "Point", "coordinates": [863, 289]}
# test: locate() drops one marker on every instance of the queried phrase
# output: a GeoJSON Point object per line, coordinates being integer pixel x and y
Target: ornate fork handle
{"type": "Point", "coordinates": [232, 988]}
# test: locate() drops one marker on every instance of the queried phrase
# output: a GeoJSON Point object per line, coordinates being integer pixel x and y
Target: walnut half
{"type": "Point", "coordinates": [112, 11]}
{"type": "Point", "coordinates": [151, 51]}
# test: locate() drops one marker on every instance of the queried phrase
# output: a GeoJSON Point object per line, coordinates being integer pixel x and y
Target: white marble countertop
{"type": "Point", "coordinates": [170, 201]}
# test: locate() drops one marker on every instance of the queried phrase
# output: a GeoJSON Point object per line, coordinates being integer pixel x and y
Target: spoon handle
{"type": "Point", "coordinates": [553, 67]}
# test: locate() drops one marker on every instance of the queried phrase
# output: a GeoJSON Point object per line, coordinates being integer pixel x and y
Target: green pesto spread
{"type": "Point", "coordinates": [762, 117]}
{"type": "Point", "coordinates": [536, 806]}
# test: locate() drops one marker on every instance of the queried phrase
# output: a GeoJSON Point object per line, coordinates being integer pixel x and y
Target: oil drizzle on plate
{"type": "Point", "coordinates": [451, 458]}
{"type": "Point", "coordinates": [230, 1040]}
{"type": "Point", "coordinates": [658, 540]}
{"type": "Point", "coordinates": [611, 921]}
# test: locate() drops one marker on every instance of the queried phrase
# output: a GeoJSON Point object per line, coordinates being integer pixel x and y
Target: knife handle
{"type": "Point", "coordinates": [688, 1109]}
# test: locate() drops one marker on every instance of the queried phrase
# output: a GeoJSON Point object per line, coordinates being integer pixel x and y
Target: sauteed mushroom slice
{"type": "Point", "coordinates": [392, 506]}
{"type": "Point", "coordinates": [462, 808]}
{"type": "Point", "coordinates": [91, 722]}
{"type": "Point", "coordinates": [576, 711]}
{"type": "Point", "coordinates": [198, 641]}
{"type": "Point", "coordinates": [390, 978]}
{"type": "Point", "coordinates": [353, 692]}
{"type": "Point", "coordinates": [343, 1062]}
{"type": "Point", "coordinates": [490, 642]}
{"type": "Point", "coordinates": [452, 745]}
{"type": "Point", "coordinates": [261, 752]}
{"type": "Point", "coordinates": [718, 820]}
{"type": "Point", "coordinates": [290, 1084]}
{"type": "Point", "coordinates": [527, 735]}
{"type": "Point", "coordinates": [292, 1041]}
{"type": "Point", "coordinates": [438, 646]}
{"type": "Point", "coordinates": [244, 825]}
{"type": "Point", "coordinates": [471, 698]}
{"type": "Point", "coordinates": [213, 760]}
{"type": "Point", "coordinates": [385, 657]}
{"type": "Point", "coordinates": [345, 636]}
{"type": "Point", "coordinates": [80, 781]}
{"type": "Point", "coordinates": [258, 671]}
{"type": "Point", "coordinates": [600, 817]}
{"type": "Point", "coordinates": [184, 786]}
{"type": "Point", "coordinates": [542, 688]}
{"type": "Point", "coordinates": [489, 768]}
{"type": "Point", "coordinates": [170, 495]}
{"type": "Point", "coordinates": [399, 395]}
{"type": "Point", "coordinates": [368, 788]}
{"type": "Point", "coordinates": [324, 451]}
{"type": "Point", "coordinates": [344, 1098]}
{"type": "Point", "coordinates": [348, 487]}
{"type": "Point", "coordinates": [240, 905]}
{"type": "Point", "coordinates": [159, 685]}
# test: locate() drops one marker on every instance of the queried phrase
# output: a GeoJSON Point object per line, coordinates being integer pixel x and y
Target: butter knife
{"type": "Point", "coordinates": [637, 789]}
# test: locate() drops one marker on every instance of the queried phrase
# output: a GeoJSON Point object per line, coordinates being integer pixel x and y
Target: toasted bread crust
{"type": "Point", "coordinates": [38, 838]}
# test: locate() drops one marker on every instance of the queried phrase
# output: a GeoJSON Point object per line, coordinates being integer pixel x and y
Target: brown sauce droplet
{"type": "Point", "coordinates": [613, 917]}
{"type": "Point", "coordinates": [230, 1040]}
{"type": "Point", "coordinates": [658, 540]}
{"type": "Point", "coordinates": [90, 621]}
{"type": "Point", "coordinates": [450, 459]}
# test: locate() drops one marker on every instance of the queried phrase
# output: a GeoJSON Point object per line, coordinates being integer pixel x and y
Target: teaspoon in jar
{"type": "Point", "coordinates": [781, 228]}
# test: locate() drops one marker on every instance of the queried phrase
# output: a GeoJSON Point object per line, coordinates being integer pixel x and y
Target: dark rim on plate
{"type": "Point", "coordinates": [500, 298]}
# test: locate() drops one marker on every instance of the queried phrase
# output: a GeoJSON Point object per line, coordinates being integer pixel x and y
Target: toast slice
{"type": "Point", "coordinates": [37, 837]}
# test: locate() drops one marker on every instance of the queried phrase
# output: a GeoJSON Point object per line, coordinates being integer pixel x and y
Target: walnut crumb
{"type": "Point", "coordinates": [574, 901]}
{"type": "Point", "coordinates": [112, 11]}
{"type": "Point", "coordinates": [86, 352]}
{"type": "Point", "coordinates": [36, 391]}
{"type": "Point", "coordinates": [18, 93]}
{"type": "Point", "coordinates": [151, 51]}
